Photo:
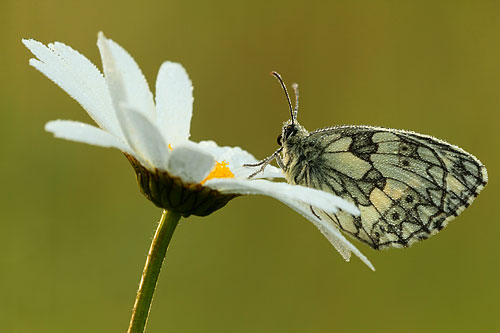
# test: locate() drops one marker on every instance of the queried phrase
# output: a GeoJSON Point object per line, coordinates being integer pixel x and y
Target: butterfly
{"type": "Point", "coordinates": [407, 186]}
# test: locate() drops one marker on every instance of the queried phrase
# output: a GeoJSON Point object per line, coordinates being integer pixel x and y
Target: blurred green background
{"type": "Point", "coordinates": [75, 229]}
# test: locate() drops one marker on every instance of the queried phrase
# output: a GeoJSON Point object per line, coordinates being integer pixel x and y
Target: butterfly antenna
{"type": "Point", "coordinates": [292, 113]}
{"type": "Point", "coordinates": [295, 87]}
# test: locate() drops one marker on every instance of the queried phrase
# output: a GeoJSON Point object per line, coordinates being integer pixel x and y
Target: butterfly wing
{"type": "Point", "coordinates": [407, 186]}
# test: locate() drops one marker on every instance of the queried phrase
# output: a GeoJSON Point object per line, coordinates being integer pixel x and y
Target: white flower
{"type": "Point", "coordinates": [154, 135]}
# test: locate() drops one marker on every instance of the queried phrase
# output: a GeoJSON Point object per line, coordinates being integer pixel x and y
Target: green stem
{"type": "Point", "coordinates": [152, 268]}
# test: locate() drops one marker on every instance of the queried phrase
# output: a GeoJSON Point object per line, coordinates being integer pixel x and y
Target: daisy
{"type": "Point", "coordinates": [176, 174]}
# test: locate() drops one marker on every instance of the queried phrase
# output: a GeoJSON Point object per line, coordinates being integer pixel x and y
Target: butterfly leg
{"type": "Point", "coordinates": [265, 162]}
{"type": "Point", "coordinates": [280, 163]}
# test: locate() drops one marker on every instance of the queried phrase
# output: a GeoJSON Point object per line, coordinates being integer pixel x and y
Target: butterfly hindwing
{"type": "Point", "coordinates": [407, 186]}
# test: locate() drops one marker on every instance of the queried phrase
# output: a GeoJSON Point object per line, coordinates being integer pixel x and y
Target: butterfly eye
{"type": "Point", "coordinates": [289, 131]}
{"type": "Point", "coordinates": [279, 139]}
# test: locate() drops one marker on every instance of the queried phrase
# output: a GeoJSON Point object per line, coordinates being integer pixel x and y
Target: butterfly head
{"type": "Point", "coordinates": [290, 132]}
{"type": "Point", "coordinates": [291, 128]}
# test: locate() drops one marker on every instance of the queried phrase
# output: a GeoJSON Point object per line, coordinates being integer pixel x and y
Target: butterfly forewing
{"type": "Point", "coordinates": [407, 186]}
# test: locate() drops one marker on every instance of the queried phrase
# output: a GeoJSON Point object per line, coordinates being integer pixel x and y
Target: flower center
{"type": "Point", "coordinates": [220, 170]}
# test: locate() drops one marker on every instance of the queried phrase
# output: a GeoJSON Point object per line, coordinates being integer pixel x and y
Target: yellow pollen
{"type": "Point", "coordinates": [170, 147]}
{"type": "Point", "coordinates": [220, 170]}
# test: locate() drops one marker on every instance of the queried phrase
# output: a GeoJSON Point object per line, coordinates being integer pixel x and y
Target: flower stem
{"type": "Point", "coordinates": [151, 271]}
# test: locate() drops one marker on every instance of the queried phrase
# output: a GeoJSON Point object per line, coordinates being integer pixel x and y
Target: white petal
{"type": "Point", "coordinates": [283, 191]}
{"type": "Point", "coordinates": [298, 198]}
{"type": "Point", "coordinates": [76, 75]}
{"type": "Point", "coordinates": [139, 129]}
{"type": "Point", "coordinates": [190, 163]}
{"type": "Point", "coordinates": [341, 244]}
{"type": "Point", "coordinates": [232, 155]}
{"type": "Point", "coordinates": [144, 138]}
{"type": "Point", "coordinates": [269, 172]}
{"type": "Point", "coordinates": [174, 101]}
{"type": "Point", "coordinates": [125, 80]}
{"type": "Point", "coordinates": [80, 132]}
{"type": "Point", "coordinates": [237, 157]}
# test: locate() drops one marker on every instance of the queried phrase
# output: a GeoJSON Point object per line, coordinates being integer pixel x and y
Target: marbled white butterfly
{"type": "Point", "coordinates": [407, 186]}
